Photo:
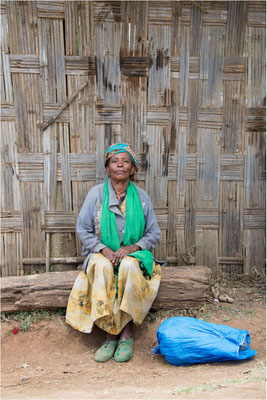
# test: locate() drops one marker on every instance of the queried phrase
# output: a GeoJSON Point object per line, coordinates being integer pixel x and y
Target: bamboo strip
{"type": "Point", "coordinates": [53, 260]}
{"type": "Point", "coordinates": [47, 259]}
{"type": "Point", "coordinates": [64, 105]}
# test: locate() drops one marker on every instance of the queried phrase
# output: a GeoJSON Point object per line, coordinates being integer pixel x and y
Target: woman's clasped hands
{"type": "Point", "coordinates": [116, 256]}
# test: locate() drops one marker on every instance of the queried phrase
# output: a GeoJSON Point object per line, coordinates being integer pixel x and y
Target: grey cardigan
{"type": "Point", "coordinates": [89, 221]}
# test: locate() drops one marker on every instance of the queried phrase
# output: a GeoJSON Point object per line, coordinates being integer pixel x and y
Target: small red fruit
{"type": "Point", "coordinates": [15, 330]}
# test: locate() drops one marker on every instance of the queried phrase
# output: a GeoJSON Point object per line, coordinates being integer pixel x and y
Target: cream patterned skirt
{"type": "Point", "coordinates": [96, 299]}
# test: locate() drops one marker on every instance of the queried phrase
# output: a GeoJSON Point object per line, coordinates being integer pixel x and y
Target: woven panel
{"type": "Point", "coordinates": [183, 82]}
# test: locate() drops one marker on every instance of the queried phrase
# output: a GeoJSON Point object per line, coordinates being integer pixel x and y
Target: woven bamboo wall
{"type": "Point", "coordinates": [184, 82]}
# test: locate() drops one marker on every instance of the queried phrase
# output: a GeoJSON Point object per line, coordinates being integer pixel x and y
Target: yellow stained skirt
{"type": "Point", "coordinates": [93, 297]}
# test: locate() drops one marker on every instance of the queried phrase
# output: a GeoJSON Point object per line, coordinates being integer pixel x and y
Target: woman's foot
{"type": "Point", "coordinates": [106, 351]}
{"type": "Point", "coordinates": [124, 350]}
{"type": "Point", "coordinates": [125, 346]}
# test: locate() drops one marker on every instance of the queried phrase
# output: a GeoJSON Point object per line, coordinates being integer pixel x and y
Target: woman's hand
{"type": "Point", "coordinates": [123, 252]}
{"type": "Point", "coordinates": [107, 252]}
{"type": "Point", "coordinates": [117, 256]}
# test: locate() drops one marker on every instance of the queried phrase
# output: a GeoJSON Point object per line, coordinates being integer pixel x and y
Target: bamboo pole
{"type": "Point", "coordinates": [47, 260]}
{"type": "Point", "coordinates": [64, 105]}
{"type": "Point", "coordinates": [53, 260]}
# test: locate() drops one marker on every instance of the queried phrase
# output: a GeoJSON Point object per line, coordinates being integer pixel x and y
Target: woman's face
{"type": "Point", "coordinates": [120, 167]}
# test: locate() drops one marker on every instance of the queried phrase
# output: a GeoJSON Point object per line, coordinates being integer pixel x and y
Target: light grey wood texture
{"type": "Point", "coordinates": [180, 287]}
{"type": "Point", "coordinates": [182, 81]}
{"type": "Point", "coordinates": [65, 105]}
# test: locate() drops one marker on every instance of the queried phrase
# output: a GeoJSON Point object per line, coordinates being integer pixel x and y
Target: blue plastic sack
{"type": "Point", "coordinates": [185, 341]}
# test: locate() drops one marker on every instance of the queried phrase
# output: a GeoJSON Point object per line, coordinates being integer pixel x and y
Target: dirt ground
{"type": "Point", "coordinates": [53, 361]}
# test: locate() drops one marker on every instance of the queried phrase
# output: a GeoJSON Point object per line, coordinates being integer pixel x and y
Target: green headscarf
{"type": "Point", "coordinates": [134, 226]}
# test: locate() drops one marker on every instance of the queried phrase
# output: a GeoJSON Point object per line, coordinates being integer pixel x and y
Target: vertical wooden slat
{"type": "Point", "coordinates": [254, 179]}
{"type": "Point", "coordinates": [233, 117]}
{"type": "Point", "coordinates": [107, 56]}
{"type": "Point", "coordinates": [206, 251]}
{"type": "Point", "coordinates": [207, 188]}
{"type": "Point", "coordinates": [176, 28]}
{"type": "Point", "coordinates": [196, 26]}
{"type": "Point", "coordinates": [211, 65]}
{"type": "Point", "coordinates": [236, 27]}
{"type": "Point", "coordinates": [50, 167]}
{"type": "Point", "coordinates": [6, 82]}
{"type": "Point", "coordinates": [192, 118]}
{"type": "Point", "coordinates": [256, 67]}
{"type": "Point", "coordinates": [171, 250]}
{"type": "Point", "coordinates": [134, 31]}
{"type": "Point", "coordinates": [254, 250]}
{"type": "Point", "coordinates": [31, 221]}
{"type": "Point", "coordinates": [176, 189]}
{"type": "Point", "coordinates": [184, 65]}
{"type": "Point", "coordinates": [190, 215]}
{"type": "Point", "coordinates": [79, 190]}
{"type": "Point", "coordinates": [79, 24]}
{"type": "Point", "coordinates": [105, 136]}
{"type": "Point", "coordinates": [52, 62]}
{"type": "Point", "coordinates": [22, 24]}
{"type": "Point", "coordinates": [47, 254]}
{"type": "Point", "coordinates": [82, 116]}
{"type": "Point", "coordinates": [208, 168]}
{"type": "Point", "coordinates": [10, 197]}
{"type": "Point", "coordinates": [10, 253]}
{"type": "Point", "coordinates": [29, 111]}
{"type": "Point", "coordinates": [134, 115]}
{"type": "Point", "coordinates": [231, 219]}
{"type": "Point", "coordinates": [159, 67]}
{"type": "Point", "coordinates": [65, 166]}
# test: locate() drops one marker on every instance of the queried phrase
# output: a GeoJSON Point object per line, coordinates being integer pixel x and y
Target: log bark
{"type": "Point", "coordinates": [181, 287]}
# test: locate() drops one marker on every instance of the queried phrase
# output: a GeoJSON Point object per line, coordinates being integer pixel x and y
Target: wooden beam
{"type": "Point", "coordinates": [181, 287]}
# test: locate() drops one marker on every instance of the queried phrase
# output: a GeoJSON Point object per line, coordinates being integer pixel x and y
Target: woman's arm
{"type": "Point", "coordinates": [86, 227]}
{"type": "Point", "coordinates": [85, 224]}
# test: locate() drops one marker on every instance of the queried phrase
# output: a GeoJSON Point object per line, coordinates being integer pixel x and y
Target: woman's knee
{"type": "Point", "coordinates": [100, 262]}
{"type": "Point", "coordinates": [129, 263]}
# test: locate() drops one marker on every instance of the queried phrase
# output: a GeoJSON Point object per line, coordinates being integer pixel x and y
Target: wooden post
{"type": "Point", "coordinates": [47, 256]}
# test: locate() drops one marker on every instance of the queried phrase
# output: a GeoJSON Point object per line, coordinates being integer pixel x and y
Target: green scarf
{"type": "Point", "coordinates": [134, 226]}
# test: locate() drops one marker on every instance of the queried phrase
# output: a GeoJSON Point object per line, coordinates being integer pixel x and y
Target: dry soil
{"type": "Point", "coordinates": [52, 361]}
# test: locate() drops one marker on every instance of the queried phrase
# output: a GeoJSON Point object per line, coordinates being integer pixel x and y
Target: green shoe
{"type": "Point", "coordinates": [106, 351]}
{"type": "Point", "coordinates": [124, 350]}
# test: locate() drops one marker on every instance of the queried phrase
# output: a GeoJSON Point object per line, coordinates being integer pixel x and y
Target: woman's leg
{"type": "Point", "coordinates": [128, 272]}
{"type": "Point", "coordinates": [127, 331]}
{"type": "Point", "coordinates": [136, 294]}
{"type": "Point", "coordinates": [100, 273]}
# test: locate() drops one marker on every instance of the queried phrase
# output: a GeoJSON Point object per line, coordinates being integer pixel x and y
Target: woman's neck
{"type": "Point", "coordinates": [119, 186]}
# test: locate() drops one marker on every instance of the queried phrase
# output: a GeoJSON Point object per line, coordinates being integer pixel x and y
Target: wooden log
{"type": "Point", "coordinates": [181, 287]}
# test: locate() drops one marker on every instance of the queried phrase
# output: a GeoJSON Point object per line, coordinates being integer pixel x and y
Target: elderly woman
{"type": "Point", "coordinates": [120, 279]}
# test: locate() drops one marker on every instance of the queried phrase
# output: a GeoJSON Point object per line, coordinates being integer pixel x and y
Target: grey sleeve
{"type": "Point", "coordinates": [85, 225]}
{"type": "Point", "coordinates": [152, 232]}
